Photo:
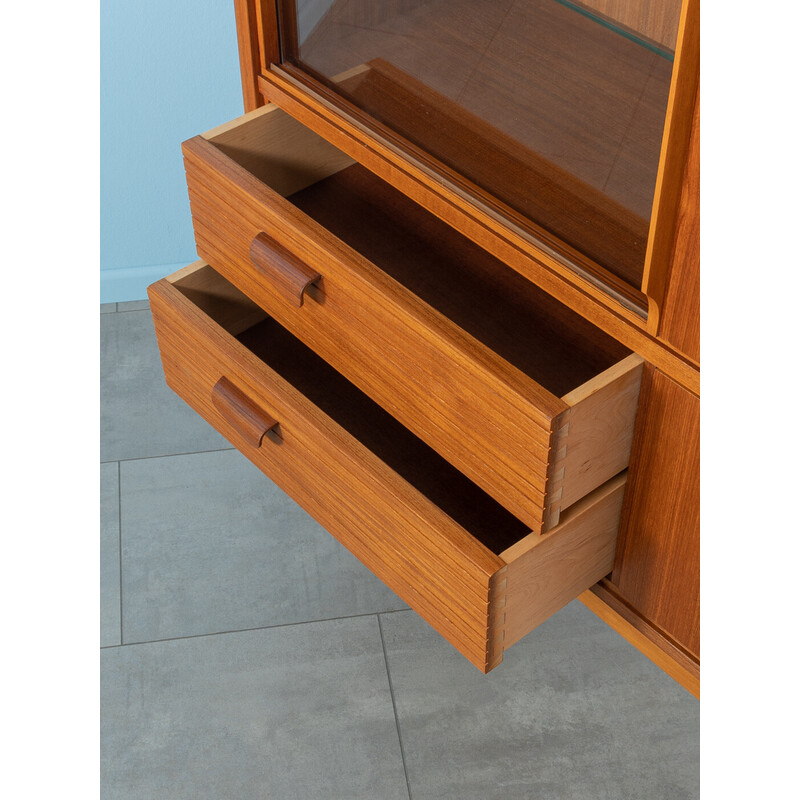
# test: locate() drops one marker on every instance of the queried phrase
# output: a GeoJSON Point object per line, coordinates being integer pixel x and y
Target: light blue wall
{"type": "Point", "coordinates": [169, 70]}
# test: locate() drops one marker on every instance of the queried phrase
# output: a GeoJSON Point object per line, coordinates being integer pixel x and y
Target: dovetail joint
{"type": "Point", "coordinates": [496, 618]}
{"type": "Point", "coordinates": [554, 487]}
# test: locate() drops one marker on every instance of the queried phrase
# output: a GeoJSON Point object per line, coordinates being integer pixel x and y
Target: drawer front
{"type": "Point", "coordinates": [406, 540]}
{"type": "Point", "coordinates": [487, 418]}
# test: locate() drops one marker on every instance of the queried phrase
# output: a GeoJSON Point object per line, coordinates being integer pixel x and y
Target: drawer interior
{"type": "Point", "coordinates": [466, 503]}
{"type": "Point", "coordinates": [492, 302]}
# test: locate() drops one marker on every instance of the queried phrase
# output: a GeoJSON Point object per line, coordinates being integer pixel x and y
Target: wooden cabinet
{"type": "Point", "coordinates": [473, 361]}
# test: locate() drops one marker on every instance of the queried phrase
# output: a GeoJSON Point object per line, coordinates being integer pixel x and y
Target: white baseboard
{"type": "Point", "coordinates": [130, 283]}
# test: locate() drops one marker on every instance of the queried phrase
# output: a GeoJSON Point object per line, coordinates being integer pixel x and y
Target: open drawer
{"type": "Point", "coordinates": [522, 395]}
{"type": "Point", "coordinates": [461, 560]}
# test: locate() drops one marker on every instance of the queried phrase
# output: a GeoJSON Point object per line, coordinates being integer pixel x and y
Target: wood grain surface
{"type": "Point", "coordinates": [483, 296]}
{"type": "Point", "coordinates": [251, 46]}
{"type": "Point", "coordinates": [287, 274]}
{"type": "Point", "coordinates": [675, 353]}
{"type": "Point", "coordinates": [592, 439]}
{"type": "Point", "coordinates": [545, 573]}
{"type": "Point", "coordinates": [493, 368]}
{"type": "Point", "coordinates": [417, 523]}
{"type": "Point", "coordinates": [657, 570]}
{"type": "Point", "coordinates": [680, 315]}
{"type": "Point", "coordinates": [252, 422]}
{"type": "Point", "coordinates": [672, 162]}
{"type": "Point", "coordinates": [413, 546]}
{"type": "Point", "coordinates": [355, 318]}
{"type": "Point", "coordinates": [408, 169]}
{"type": "Point", "coordinates": [278, 150]}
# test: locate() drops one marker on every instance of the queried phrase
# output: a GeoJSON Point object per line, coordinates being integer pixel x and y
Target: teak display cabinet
{"type": "Point", "coordinates": [431, 378]}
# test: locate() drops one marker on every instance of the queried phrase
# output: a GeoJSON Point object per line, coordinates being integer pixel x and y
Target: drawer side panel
{"type": "Point", "coordinates": [592, 440]}
{"type": "Point", "coordinates": [546, 572]}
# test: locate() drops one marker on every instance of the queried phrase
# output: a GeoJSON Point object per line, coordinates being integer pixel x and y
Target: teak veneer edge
{"type": "Point", "coordinates": [250, 51]}
{"type": "Point", "coordinates": [672, 163]}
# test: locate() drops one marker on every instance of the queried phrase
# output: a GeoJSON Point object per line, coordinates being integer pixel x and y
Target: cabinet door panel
{"type": "Point", "coordinates": [550, 112]}
{"type": "Point", "coordinates": [657, 568]}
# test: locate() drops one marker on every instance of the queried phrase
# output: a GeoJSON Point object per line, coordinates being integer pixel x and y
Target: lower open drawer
{"type": "Point", "coordinates": [455, 555]}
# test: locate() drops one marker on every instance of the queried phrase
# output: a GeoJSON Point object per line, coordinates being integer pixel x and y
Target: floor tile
{"type": "Point", "coordinates": [107, 308]}
{"type": "Point", "coordinates": [133, 305]}
{"type": "Point", "coordinates": [210, 544]}
{"type": "Point", "coordinates": [292, 713]}
{"type": "Point", "coordinates": [109, 555]}
{"type": "Point", "coordinates": [140, 415]}
{"type": "Point", "coordinates": [573, 712]}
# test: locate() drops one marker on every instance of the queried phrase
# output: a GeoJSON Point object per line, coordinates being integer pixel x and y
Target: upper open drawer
{"type": "Point", "coordinates": [527, 399]}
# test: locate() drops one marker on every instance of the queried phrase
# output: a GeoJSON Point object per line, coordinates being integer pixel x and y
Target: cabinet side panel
{"type": "Point", "coordinates": [249, 52]}
{"type": "Point", "coordinates": [672, 165]}
{"type": "Point", "coordinates": [657, 569]}
{"type": "Point", "coordinates": [680, 317]}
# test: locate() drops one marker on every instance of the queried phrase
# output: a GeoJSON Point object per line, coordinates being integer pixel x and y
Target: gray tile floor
{"type": "Point", "coordinates": [246, 655]}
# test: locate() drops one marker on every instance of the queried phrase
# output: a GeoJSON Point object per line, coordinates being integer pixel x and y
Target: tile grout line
{"type": "Point", "coordinates": [250, 630]}
{"type": "Point", "coordinates": [119, 534]}
{"type": "Point", "coordinates": [168, 455]}
{"type": "Point", "coordinates": [394, 705]}
{"type": "Point", "coordinates": [118, 310]}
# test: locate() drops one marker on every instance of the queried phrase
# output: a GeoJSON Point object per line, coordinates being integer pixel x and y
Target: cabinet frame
{"type": "Point", "coordinates": [667, 337]}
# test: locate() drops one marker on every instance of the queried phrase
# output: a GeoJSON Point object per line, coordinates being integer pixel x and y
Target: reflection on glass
{"type": "Point", "coordinates": [555, 108]}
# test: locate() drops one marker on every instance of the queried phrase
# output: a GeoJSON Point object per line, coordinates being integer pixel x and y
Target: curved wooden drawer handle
{"type": "Point", "coordinates": [286, 272]}
{"type": "Point", "coordinates": [241, 412]}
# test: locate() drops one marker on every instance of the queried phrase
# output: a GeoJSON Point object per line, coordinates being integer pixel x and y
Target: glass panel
{"type": "Point", "coordinates": [554, 108]}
